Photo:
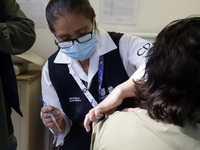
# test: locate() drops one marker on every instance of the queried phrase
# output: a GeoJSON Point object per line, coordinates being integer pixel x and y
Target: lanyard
{"type": "Point", "coordinates": [83, 87]}
{"type": "Point", "coordinates": [100, 74]}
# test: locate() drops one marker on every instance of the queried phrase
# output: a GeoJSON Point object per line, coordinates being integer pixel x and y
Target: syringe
{"type": "Point", "coordinates": [54, 120]}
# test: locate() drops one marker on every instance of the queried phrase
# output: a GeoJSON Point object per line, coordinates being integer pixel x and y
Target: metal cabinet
{"type": "Point", "coordinates": [29, 129]}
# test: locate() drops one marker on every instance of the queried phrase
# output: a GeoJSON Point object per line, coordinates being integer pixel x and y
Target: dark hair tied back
{"type": "Point", "coordinates": [56, 8]}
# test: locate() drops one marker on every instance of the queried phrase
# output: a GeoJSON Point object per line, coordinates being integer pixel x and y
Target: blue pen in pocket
{"type": "Point", "coordinates": [54, 120]}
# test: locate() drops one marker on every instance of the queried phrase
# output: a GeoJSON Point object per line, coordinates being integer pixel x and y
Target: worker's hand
{"type": "Point", "coordinates": [135, 110]}
{"type": "Point", "coordinates": [110, 103]}
{"type": "Point", "coordinates": [48, 121]}
{"type": "Point", "coordinates": [106, 107]}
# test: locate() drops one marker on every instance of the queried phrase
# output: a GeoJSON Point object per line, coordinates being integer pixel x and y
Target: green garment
{"type": "Point", "coordinates": [17, 35]}
{"type": "Point", "coordinates": [128, 131]}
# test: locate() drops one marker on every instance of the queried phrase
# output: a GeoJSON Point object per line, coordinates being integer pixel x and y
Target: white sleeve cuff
{"type": "Point", "coordinates": [59, 136]}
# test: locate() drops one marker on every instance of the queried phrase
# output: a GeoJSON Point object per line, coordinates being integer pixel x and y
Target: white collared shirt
{"type": "Point", "coordinates": [128, 46]}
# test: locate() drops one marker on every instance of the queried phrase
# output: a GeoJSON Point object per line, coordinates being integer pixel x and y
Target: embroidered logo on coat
{"type": "Point", "coordinates": [103, 92]}
{"type": "Point", "coordinates": [110, 88]}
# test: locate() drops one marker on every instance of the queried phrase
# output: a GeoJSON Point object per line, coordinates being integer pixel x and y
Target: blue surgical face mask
{"type": "Point", "coordinates": [81, 51]}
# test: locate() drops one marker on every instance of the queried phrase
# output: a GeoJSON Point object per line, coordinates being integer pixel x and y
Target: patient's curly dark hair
{"type": "Point", "coordinates": [172, 89]}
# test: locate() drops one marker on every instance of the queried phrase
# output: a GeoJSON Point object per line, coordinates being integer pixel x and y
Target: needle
{"type": "Point", "coordinates": [54, 120]}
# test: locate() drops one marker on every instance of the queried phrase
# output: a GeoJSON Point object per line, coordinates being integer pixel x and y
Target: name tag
{"type": "Point", "coordinates": [74, 99]}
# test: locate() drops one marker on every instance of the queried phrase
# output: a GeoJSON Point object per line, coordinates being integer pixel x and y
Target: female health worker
{"type": "Point", "coordinates": [90, 62]}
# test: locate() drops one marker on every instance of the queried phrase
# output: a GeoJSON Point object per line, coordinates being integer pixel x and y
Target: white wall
{"type": "Point", "coordinates": [153, 15]}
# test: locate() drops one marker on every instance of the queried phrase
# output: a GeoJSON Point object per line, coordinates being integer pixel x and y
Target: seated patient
{"type": "Point", "coordinates": [168, 117]}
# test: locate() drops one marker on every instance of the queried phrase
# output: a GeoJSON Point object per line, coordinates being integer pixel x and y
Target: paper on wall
{"type": "Point", "coordinates": [118, 12]}
{"type": "Point", "coordinates": [35, 10]}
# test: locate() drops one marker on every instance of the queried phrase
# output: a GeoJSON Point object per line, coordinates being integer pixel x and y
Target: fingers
{"type": "Point", "coordinates": [97, 113]}
{"type": "Point", "coordinates": [56, 112]}
{"type": "Point", "coordinates": [46, 109]}
{"type": "Point", "coordinates": [45, 114]}
{"type": "Point", "coordinates": [91, 117]}
{"type": "Point", "coordinates": [94, 124]}
{"type": "Point", "coordinates": [135, 110]}
{"type": "Point", "coordinates": [125, 110]}
{"type": "Point", "coordinates": [46, 117]}
{"type": "Point", "coordinates": [87, 123]}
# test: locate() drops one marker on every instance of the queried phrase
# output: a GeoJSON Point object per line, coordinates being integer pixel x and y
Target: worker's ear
{"type": "Point", "coordinates": [95, 23]}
